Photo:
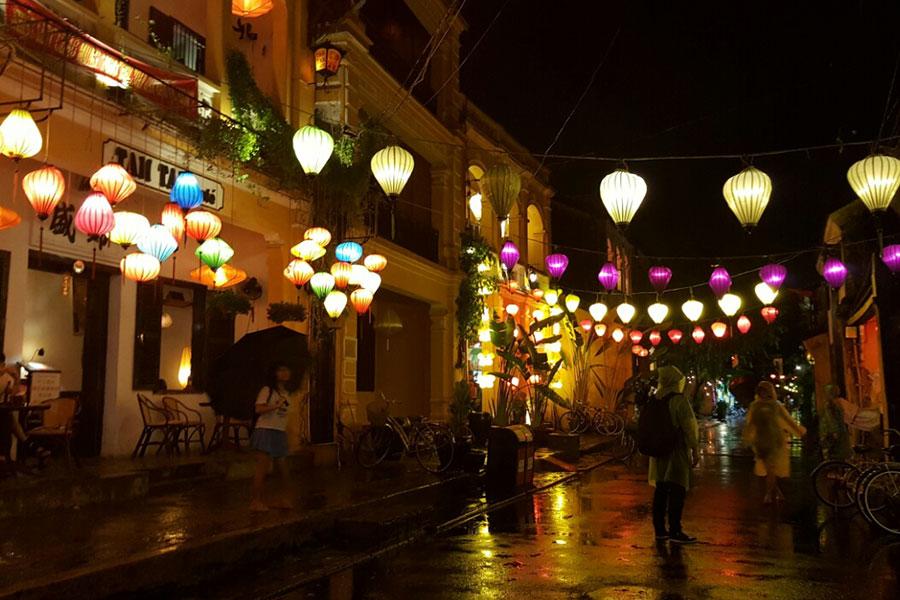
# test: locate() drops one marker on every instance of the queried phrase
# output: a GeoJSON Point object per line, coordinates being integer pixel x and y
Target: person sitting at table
{"type": "Point", "coordinates": [9, 387]}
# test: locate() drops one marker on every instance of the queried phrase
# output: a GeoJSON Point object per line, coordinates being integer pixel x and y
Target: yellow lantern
{"type": "Point", "coordinates": [20, 134]}
{"type": "Point", "coordinates": [692, 309]}
{"type": "Point", "coordinates": [730, 304]}
{"type": "Point", "coordinates": [600, 329]}
{"type": "Point", "coordinates": [658, 312]}
{"type": "Point", "coordinates": [747, 195]}
{"type": "Point", "coordinates": [622, 194]}
{"type": "Point", "coordinates": [875, 180]}
{"type": "Point", "coordinates": [184, 367]}
{"type": "Point", "coordinates": [130, 226]}
{"type": "Point", "coordinates": [475, 206]}
{"type": "Point", "coordinates": [551, 297]}
{"type": "Point", "coordinates": [392, 167]}
{"type": "Point", "coordinates": [626, 312]}
{"type": "Point", "coordinates": [308, 250]}
{"type": "Point", "coordinates": [765, 293]}
{"type": "Point", "coordinates": [313, 148]}
{"type": "Point", "coordinates": [298, 272]}
{"type": "Point", "coordinates": [572, 302]}
{"type": "Point", "coordinates": [618, 335]}
{"type": "Point", "coordinates": [598, 310]}
{"type": "Point", "coordinates": [375, 262]}
{"type": "Point", "coordinates": [319, 235]}
{"type": "Point", "coordinates": [719, 329]}
{"type": "Point", "coordinates": [139, 266]}
{"type": "Point", "coordinates": [335, 303]}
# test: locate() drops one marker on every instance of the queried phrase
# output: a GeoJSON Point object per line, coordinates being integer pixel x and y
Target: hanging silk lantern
{"type": "Point", "coordinates": [95, 216]}
{"type": "Point", "coordinates": [357, 274]}
{"type": "Point", "coordinates": [158, 242]}
{"type": "Point", "coordinates": [139, 266]}
{"type": "Point", "coordinates": [730, 304]}
{"type": "Point", "coordinates": [308, 250]}
{"type": "Point", "coordinates": [743, 324]}
{"type": "Point", "coordinates": [891, 257]}
{"type": "Point", "coordinates": [626, 312]}
{"type": "Point", "coordinates": [572, 302]}
{"type": "Point", "coordinates": [618, 335]}
{"type": "Point", "coordinates": [321, 283]}
{"type": "Point", "coordinates": [509, 255]}
{"type": "Point", "coordinates": [348, 252]}
{"type": "Point", "coordinates": [361, 299]}
{"type": "Point", "coordinates": [636, 336]}
{"type": "Point", "coordinates": [298, 272]}
{"type": "Point", "coordinates": [501, 184]}
{"type": "Point", "coordinates": [773, 275]}
{"type": "Point", "coordinates": [475, 207]}
{"type": "Point", "coordinates": [658, 312]}
{"type": "Point", "coordinates": [698, 334]}
{"type": "Point", "coordinates": [128, 229]}
{"type": "Point", "coordinates": [172, 218]}
{"type": "Point", "coordinates": [834, 271]}
{"type": "Point", "coordinates": [20, 135]}
{"type": "Point", "coordinates": [9, 218]}
{"type": "Point", "coordinates": [319, 235]}
{"type": "Point", "coordinates": [586, 324]}
{"type": "Point", "coordinates": [608, 276]}
{"type": "Point", "coordinates": [44, 188]}
{"type": "Point", "coordinates": [655, 338]}
{"type": "Point", "coordinates": [622, 194]}
{"type": "Point", "coordinates": [186, 191]}
{"type": "Point", "coordinates": [375, 262]}
{"type": "Point", "coordinates": [556, 264]}
{"type": "Point", "coordinates": [392, 167]}
{"type": "Point", "coordinates": [600, 329]}
{"type": "Point", "coordinates": [250, 9]}
{"type": "Point", "coordinates": [598, 310]}
{"type": "Point", "coordinates": [214, 253]}
{"type": "Point", "coordinates": [720, 281]}
{"type": "Point", "coordinates": [512, 309]}
{"type": "Point", "coordinates": [551, 297]}
{"type": "Point", "coordinates": [675, 335]}
{"type": "Point", "coordinates": [875, 180]}
{"type": "Point", "coordinates": [765, 293]}
{"type": "Point", "coordinates": [226, 277]}
{"type": "Point", "coordinates": [341, 272]}
{"type": "Point", "coordinates": [537, 293]}
{"type": "Point", "coordinates": [747, 195]}
{"type": "Point", "coordinates": [114, 182]}
{"type": "Point", "coordinates": [335, 303]}
{"type": "Point", "coordinates": [313, 148]}
{"type": "Point", "coordinates": [637, 350]}
{"type": "Point", "coordinates": [660, 277]}
{"type": "Point", "coordinates": [371, 282]}
{"type": "Point", "coordinates": [769, 313]}
{"type": "Point", "coordinates": [202, 225]}
{"type": "Point", "coordinates": [692, 309]}
{"type": "Point", "coordinates": [719, 329]}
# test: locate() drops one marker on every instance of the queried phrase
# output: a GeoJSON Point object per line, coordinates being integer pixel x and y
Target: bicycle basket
{"type": "Point", "coordinates": [377, 412]}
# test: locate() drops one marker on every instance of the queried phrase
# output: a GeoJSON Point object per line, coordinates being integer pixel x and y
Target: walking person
{"type": "Point", "coordinates": [668, 433]}
{"type": "Point", "coordinates": [768, 423]}
{"type": "Point", "coordinates": [269, 437]}
{"type": "Point", "coordinates": [834, 436]}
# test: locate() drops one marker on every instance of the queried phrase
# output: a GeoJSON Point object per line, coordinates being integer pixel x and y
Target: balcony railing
{"type": "Point", "coordinates": [412, 234]}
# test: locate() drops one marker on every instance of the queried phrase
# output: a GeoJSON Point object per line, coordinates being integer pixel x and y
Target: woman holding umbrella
{"type": "Point", "coordinates": [269, 437]}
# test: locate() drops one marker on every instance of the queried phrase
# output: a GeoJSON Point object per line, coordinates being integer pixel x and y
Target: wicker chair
{"type": "Point", "coordinates": [186, 423]}
{"type": "Point", "coordinates": [57, 425]}
{"type": "Point", "coordinates": [155, 419]}
{"type": "Point", "coordinates": [236, 426]}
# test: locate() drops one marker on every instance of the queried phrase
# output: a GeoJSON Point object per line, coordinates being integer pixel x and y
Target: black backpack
{"type": "Point", "coordinates": [657, 434]}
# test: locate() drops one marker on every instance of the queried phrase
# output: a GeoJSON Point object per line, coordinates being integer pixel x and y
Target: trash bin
{"type": "Point", "coordinates": [510, 467]}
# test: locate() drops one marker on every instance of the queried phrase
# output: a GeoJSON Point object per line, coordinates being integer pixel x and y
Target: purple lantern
{"type": "Point", "coordinates": [556, 264]}
{"type": "Point", "coordinates": [608, 276]}
{"type": "Point", "coordinates": [509, 255]}
{"type": "Point", "coordinates": [720, 282]}
{"type": "Point", "coordinates": [835, 272]}
{"type": "Point", "coordinates": [660, 277]}
{"type": "Point", "coordinates": [891, 257]}
{"type": "Point", "coordinates": [773, 275]}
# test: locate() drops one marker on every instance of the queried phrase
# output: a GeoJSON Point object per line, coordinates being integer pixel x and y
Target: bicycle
{"type": "Point", "coordinates": [838, 483]}
{"type": "Point", "coordinates": [431, 443]}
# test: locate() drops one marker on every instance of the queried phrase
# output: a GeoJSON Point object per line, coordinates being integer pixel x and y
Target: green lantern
{"type": "Point", "coordinates": [322, 283]}
{"type": "Point", "coordinates": [214, 253]}
{"type": "Point", "coordinates": [501, 184]}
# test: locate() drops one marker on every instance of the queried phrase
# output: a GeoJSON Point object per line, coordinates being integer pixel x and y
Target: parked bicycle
{"type": "Point", "coordinates": [583, 417]}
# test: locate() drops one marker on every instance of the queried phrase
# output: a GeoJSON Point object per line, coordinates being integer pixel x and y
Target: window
{"type": "Point", "coordinates": [187, 46]}
{"type": "Point", "coordinates": [536, 237]}
{"type": "Point", "coordinates": [122, 9]}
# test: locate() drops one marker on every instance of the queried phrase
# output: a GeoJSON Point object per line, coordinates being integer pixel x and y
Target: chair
{"type": "Point", "coordinates": [220, 431]}
{"type": "Point", "coordinates": [57, 425]}
{"type": "Point", "coordinates": [185, 420]}
{"type": "Point", "coordinates": [155, 419]}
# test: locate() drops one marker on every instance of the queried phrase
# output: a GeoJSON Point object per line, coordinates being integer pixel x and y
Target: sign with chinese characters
{"type": "Point", "coordinates": [157, 174]}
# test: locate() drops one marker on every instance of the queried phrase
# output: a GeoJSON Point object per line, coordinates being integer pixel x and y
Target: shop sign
{"type": "Point", "coordinates": [157, 174]}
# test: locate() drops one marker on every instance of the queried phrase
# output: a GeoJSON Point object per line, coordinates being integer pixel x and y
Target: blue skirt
{"type": "Point", "coordinates": [271, 441]}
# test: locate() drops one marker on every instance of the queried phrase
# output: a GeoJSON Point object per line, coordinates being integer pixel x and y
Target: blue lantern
{"type": "Point", "coordinates": [158, 242]}
{"type": "Point", "coordinates": [348, 252]}
{"type": "Point", "coordinates": [187, 192]}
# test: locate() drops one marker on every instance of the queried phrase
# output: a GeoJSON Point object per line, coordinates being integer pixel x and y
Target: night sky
{"type": "Point", "coordinates": [692, 78]}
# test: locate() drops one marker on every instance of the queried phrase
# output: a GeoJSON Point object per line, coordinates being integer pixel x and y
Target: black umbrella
{"type": "Point", "coordinates": [237, 376]}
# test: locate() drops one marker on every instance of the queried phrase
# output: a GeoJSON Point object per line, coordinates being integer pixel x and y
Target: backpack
{"type": "Point", "coordinates": [656, 434]}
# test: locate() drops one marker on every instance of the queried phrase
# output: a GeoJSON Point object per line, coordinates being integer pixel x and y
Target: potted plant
{"type": "Point", "coordinates": [460, 411]}
{"type": "Point", "coordinates": [281, 312]}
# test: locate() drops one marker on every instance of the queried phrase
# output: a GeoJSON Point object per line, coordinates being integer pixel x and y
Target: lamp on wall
{"type": "Point", "coordinates": [328, 60]}
{"type": "Point", "coordinates": [184, 367]}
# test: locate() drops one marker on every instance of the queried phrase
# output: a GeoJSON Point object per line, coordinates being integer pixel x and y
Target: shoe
{"type": "Point", "coordinates": [661, 537]}
{"type": "Point", "coordinates": [682, 538]}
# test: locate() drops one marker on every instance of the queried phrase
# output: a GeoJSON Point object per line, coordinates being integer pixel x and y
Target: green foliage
{"type": "Point", "coordinates": [228, 303]}
{"type": "Point", "coordinates": [460, 408]}
{"type": "Point", "coordinates": [281, 312]}
{"type": "Point", "coordinates": [469, 303]}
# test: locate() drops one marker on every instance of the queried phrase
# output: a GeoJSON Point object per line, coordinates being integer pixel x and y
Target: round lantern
{"type": "Point", "coordinates": [476, 207]}
{"type": "Point", "coordinates": [509, 255]}
{"type": "Point", "coordinates": [95, 216]}
{"type": "Point", "coordinates": [637, 350]}
{"type": "Point", "coordinates": [348, 252]}
{"type": "Point", "coordinates": [308, 250]}
{"type": "Point", "coordinates": [875, 180]}
{"type": "Point", "coordinates": [655, 338]}
{"type": "Point", "coordinates": [719, 329]}
{"type": "Point", "coordinates": [598, 310]}
{"type": "Point", "coordinates": [773, 275]}
{"type": "Point", "coordinates": [392, 167]}
{"type": "Point", "coordinates": [321, 283]}
{"type": "Point", "coordinates": [202, 225]}
{"type": "Point", "coordinates": [186, 191]}
{"type": "Point", "coordinates": [114, 182]}
{"type": "Point", "coordinates": [891, 257]}
{"type": "Point", "coordinates": [214, 253]}
{"type": "Point", "coordinates": [361, 299]}
{"type": "Point", "coordinates": [357, 274]}
{"type": "Point", "coordinates": [608, 276]}
{"type": "Point", "coordinates": [335, 303]}
{"type": "Point", "coordinates": [44, 189]}
{"type": "Point", "coordinates": [720, 281]}
{"type": "Point", "coordinates": [226, 277]}
{"type": "Point", "coordinates": [319, 235]}
{"type": "Point", "coordinates": [298, 272]}
{"type": "Point", "coordinates": [658, 312]}
{"type": "Point", "coordinates": [20, 135]}
{"type": "Point", "coordinates": [636, 336]}
{"type": "Point", "coordinates": [765, 293]}
{"type": "Point", "coordinates": [341, 272]}
{"type": "Point", "coordinates": [371, 282]}
{"type": "Point", "coordinates": [139, 266]}
{"type": "Point", "coordinates": [675, 335]}
{"type": "Point", "coordinates": [128, 229]}
{"type": "Point", "coordinates": [622, 194]}
{"type": "Point", "coordinates": [626, 312]}
{"type": "Point", "coordinates": [743, 324]}
{"type": "Point", "coordinates": [8, 218]}
{"type": "Point", "coordinates": [572, 302]}
{"type": "Point", "coordinates": [600, 329]}
{"type": "Point", "coordinates": [250, 9]}
{"type": "Point", "coordinates": [660, 277]}
{"type": "Point", "coordinates": [501, 184]}
{"type": "Point", "coordinates": [769, 313]}
{"type": "Point", "coordinates": [834, 271]}
{"type": "Point", "coordinates": [172, 218]}
{"type": "Point", "coordinates": [698, 334]}
{"type": "Point", "coordinates": [313, 148]}
{"type": "Point", "coordinates": [158, 242]}
{"type": "Point", "coordinates": [730, 304]}
{"type": "Point", "coordinates": [375, 262]}
{"type": "Point", "coordinates": [556, 264]}
{"type": "Point", "coordinates": [692, 309]}
{"type": "Point", "coordinates": [747, 195]}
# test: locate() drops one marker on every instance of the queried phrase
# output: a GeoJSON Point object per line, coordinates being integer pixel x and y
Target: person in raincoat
{"type": "Point", "coordinates": [834, 437]}
{"type": "Point", "coordinates": [671, 474]}
{"type": "Point", "coordinates": [768, 423]}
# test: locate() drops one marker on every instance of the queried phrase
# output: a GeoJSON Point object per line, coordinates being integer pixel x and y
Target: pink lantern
{"type": "Point", "coordinates": [773, 275]}
{"type": "Point", "coordinates": [636, 336]}
{"type": "Point", "coordinates": [660, 277]}
{"type": "Point", "coordinates": [891, 257]}
{"type": "Point", "coordinates": [675, 335]}
{"type": "Point", "coordinates": [698, 334]}
{"type": "Point", "coordinates": [834, 271]}
{"type": "Point", "coordinates": [770, 313]}
{"type": "Point", "coordinates": [509, 255]}
{"type": "Point", "coordinates": [95, 217]}
{"type": "Point", "coordinates": [655, 338]}
{"type": "Point", "coordinates": [743, 324]}
{"type": "Point", "coordinates": [556, 264]}
{"type": "Point", "coordinates": [720, 281]}
{"type": "Point", "coordinates": [608, 276]}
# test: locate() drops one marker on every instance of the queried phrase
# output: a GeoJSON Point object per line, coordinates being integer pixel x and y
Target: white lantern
{"type": "Point", "coordinates": [622, 194]}
{"type": "Point", "coordinates": [313, 148]}
{"type": "Point", "coordinates": [335, 303]}
{"type": "Point", "coordinates": [392, 167]}
{"type": "Point", "coordinates": [658, 312]}
{"type": "Point", "coordinates": [875, 180]}
{"type": "Point", "coordinates": [598, 310]}
{"type": "Point", "coordinates": [572, 302]}
{"type": "Point", "coordinates": [747, 195]}
{"type": "Point", "coordinates": [730, 304]}
{"type": "Point", "coordinates": [475, 206]}
{"type": "Point", "coordinates": [512, 309]}
{"type": "Point", "coordinates": [20, 135]}
{"type": "Point", "coordinates": [626, 312]}
{"type": "Point", "coordinates": [765, 293]}
{"type": "Point", "coordinates": [692, 309]}
{"type": "Point", "coordinates": [551, 297]}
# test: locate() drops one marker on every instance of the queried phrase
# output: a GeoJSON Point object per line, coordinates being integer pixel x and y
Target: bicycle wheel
{"type": "Point", "coordinates": [882, 499]}
{"type": "Point", "coordinates": [604, 423]}
{"type": "Point", "coordinates": [433, 446]}
{"type": "Point", "coordinates": [831, 483]}
{"type": "Point", "coordinates": [373, 446]}
{"type": "Point", "coordinates": [623, 448]}
{"type": "Point", "coordinates": [861, 482]}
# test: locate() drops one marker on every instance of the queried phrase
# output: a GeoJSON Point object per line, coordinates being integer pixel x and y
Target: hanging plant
{"type": "Point", "coordinates": [469, 302]}
{"type": "Point", "coordinates": [228, 304]}
{"type": "Point", "coordinates": [345, 149]}
{"type": "Point", "coordinates": [281, 312]}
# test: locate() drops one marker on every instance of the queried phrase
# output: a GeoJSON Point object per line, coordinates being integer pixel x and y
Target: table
{"type": "Point", "coordinates": [6, 435]}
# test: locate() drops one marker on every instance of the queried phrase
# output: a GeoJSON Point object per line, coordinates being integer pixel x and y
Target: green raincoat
{"type": "Point", "coordinates": [676, 468]}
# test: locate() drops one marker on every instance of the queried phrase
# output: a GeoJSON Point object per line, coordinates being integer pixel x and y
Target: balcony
{"type": "Point", "coordinates": [410, 233]}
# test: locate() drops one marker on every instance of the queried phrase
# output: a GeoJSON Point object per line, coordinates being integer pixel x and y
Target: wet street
{"type": "Point", "coordinates": [593, 539]}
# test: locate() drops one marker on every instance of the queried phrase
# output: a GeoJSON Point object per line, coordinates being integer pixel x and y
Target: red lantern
{"type": "Point", "coordinates": [743, 324]}
{"type": "Point", "coordinates": [587, 324]}
{"type": "Point", "coordinates": [202, 225]}
{"type": "Point", "coordinates": [655, 338]}
{"type": "Point", "coordinates": [698, 334]}
{"type": "Point", "coordinates": [298, 272]}
{"type": "Point", "coordinates": [770, 313]}
{"type": "Point", "coordinates": [95, 217]}
{"type": "Point", "coordinates": [719, 329]}
{"type": "Point", "coordinates": [44, 189]}
{"type": "Point", "coordinates": [361, 299]}
{"type": "Point", "coordinates": [636, 336]}
{"type": "Point", "coordinates": [341, 272]}
{"type": "Point", "coordinates": [675, 335]}
{"type": "Point", "coordinates": [173, 219]}
{"type": "Point", "coordinates": [114, 182]}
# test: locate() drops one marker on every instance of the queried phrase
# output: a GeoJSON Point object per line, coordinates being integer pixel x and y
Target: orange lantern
{"type": "Point", "coordinates": [770, 313]}
{"type": "Point", "coordinates": [361, 299]}
{"type": "Point", "coordinates": [655, 338]}
{"type": "Point", "coordinates": [9, 218]}
{"type": "Point", "coordinates": [173, 220]}
{"type": "Point", "coordinates": [202, 225]}
{"type": "Point", "coordinates": [250, 9]}
{"type": "Point", "coordinates": [538, 293]}
{"type": "Point", "coordinates": [375, 262]}
{"type": "Point", "coordinates": [600, 329]}
{"type": "Point", "coordinates": [44, 189]}
{"type": "Point", "coordinates": [139, 266]}
{"type": "Point", "coordinates": [698, 334]}
{"type": "Point", "coordinates": [743, 324]}
{"type": "Point", "coordinates": [719, 329]}
{"type": "Point", "coordinates": [342, 272]}
{"type": "Point", "coordinates": [319, 235]}
{"type": "Point", "coordinates": [114, 182]}
{"type": "Point", "coordinates": [636, 336]}
{"type": "Point", "coordinates": [636, 350]}
{"type": "Point", "coordinates": [298, 272]}
{"type": "Point", "coordinates": [675, 335]}
{"type": "Point", "coordinates": [225, 277]}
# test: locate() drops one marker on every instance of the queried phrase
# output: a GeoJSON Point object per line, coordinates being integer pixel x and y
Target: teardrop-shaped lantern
{"type": "Point", "coordinates": [186, 191]}
{"type": "Point", "coordinates": [20, 134]}
{"type": "Point", "coordinates": [501, 184]}
{"type": "Point", "coordinates": [225, 277]}
{"type": "Point", "coordinates": [172, 218]}
{"type": "Point", "coordinates": [747, 195]}
{"type": "Point", "coordinates": [551, 297]}
{"type": "Point", "coordinates": [361, 299]}
{"type": "Point", "coordinates": [158, 242]}
{"type": "Point", "coordinates": [114, 182]}
{"type": "Point", "coordinates": [44, 188]}
{"type": "Point", "coordinates": [335, 303]}
{"type": "Point", "coordinates": [321, 283]}
{"type": "Point", "coordinates": [509, 255]}
{"type": "Point", "coordinates": [8, 218]}
{"type": "Point", "coordinates": [692, 309]}
{"type": "Point", "coordinates": [313, 148]}
{"type": "Point", "coordinates": [129, 228]}
{"type": "Point", "coordinates": [655, 338]}
{"type": "Point", "coordinates": [348, 252]}
{"type": "Point", "coordinates": [875, 180]}
{"type": "Point", "coordinates": [572, 302]}
{"type": "Point", "coordinates": [622, 194]}
{"type": "Point", "coordinates": [626, 312]}
{"type": "Point", "coordinates": [658, 312]}
{"type": "Point", "coordinates": [743, 324]}
{"type": "Point", "coordinates": [598, 310]}
{"type": "Point", "coordinates": [769, 313]}
{"type": "Point", "coordinates": [476, 207]}
{"type": "Point", "coordinates": [618, 335]}
{"type": "Point", "coordinates": [556, 264]}
{"type": "Point", "coordinates": [720, 281]}
{"type": "Point", "coordinates": [600, 329]}
{"type": "Point", "coordinates": [675, 335]}
{"type": "Point", "coordinates": [660, 277]}
{"type": "Point", "coordinates": [319, 235]}
{"type": "Point", "coordinates": [834, 271]}
{"type": "Point", "coordinates": [298, 272]}
{"type": "Point", "coordinates": [719, 329]}
{"type": "Point", "coordinates": [608, 276]}
{"type": "Point", "coordinates": [139, 266]}
{"type": "Point", "coordinates": [392, 167]}
{"type": "Point", "coordinates": [341, 272]}
{"type": "Point", "coordinates": [371, 282]}
{"type": "Point", "coordinates": [730, 304]}
{"type": "Point", "coordinates": [308, 250]}
{"type": "Point", "coordinates": [202, 225]}
{"type": "Point", "coordinates": [95, 216]}
{"type": "Point", "coordinates": [773, 275]}
{"type": "Point", "coordinates": [214, 253]}
{"type": "Point", "coordinates": [250, 9]}
{"type": "Point", "coordinates": [375, 262]}
{"type": "Point", "coordinates": [698, 334]}
{"type": "Point", "coordinates": [636, 336]}
{"type": "Point", "coordinates": [765, 293]}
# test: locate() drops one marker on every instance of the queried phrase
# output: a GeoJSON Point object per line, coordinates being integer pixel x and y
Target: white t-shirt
{"type": "Point", "coordinates": [275, 419]}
